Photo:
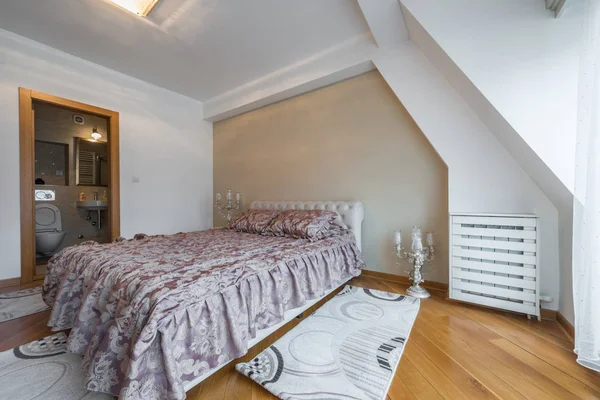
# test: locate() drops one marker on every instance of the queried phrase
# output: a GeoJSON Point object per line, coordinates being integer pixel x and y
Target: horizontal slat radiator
{"type": "Point", "coordinates": [493, 261]}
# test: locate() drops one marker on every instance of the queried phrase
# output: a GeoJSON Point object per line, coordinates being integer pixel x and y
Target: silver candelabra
{"type": "Point", "coordinates": [227, 209]}
{"type": "Point", "coordinates": [417, 257]}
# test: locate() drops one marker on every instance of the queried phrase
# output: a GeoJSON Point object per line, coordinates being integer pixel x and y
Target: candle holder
{"type": "Point", "coordinates": [417, 257]}
{"type": "Point", "coordinates": [228, 209]}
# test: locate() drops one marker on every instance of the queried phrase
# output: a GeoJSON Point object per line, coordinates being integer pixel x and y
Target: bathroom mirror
{"type": "Point", "coordinates": [91, 162]}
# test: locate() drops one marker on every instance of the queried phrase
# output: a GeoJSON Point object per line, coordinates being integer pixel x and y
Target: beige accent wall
{"type": "Point", "coordinates": [349, 141]}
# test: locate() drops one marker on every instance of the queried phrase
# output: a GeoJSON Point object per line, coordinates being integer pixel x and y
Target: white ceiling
{"type": "Point", "coordinates": [199, 48]}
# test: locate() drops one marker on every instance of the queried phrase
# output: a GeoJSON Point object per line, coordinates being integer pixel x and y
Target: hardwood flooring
{"type": "Point", "coordinates": [455, 351]}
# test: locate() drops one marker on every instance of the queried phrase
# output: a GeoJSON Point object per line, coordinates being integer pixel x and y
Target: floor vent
{"type": "Point", "coordinates": [493, 261]}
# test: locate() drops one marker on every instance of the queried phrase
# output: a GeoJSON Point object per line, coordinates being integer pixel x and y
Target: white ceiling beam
{"type": "Point", "coordinates": [343, 61]}
{"type": "Point", "coordinates": [557, 6]}
{"type": "Point", "coordinates": [385, 20]}
{"type": "Point", "coordinates": [333, 65]}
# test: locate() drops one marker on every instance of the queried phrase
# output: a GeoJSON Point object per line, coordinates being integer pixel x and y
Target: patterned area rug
{"type": "Point", "coordinates": [18, 304]}
{"type": "Point", "coordinates": [42, 370]}
{"type": "Point", "coordinates": [347, 349]}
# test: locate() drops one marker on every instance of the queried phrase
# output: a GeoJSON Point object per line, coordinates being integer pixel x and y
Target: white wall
{"type": "Point", "coordinates": [524, 61]}
{"type": "Point", "coordinates": [164, 141]}
{"type": "Point", "coordinates": [520, 75]}
{"type": "Point", "coordinates": [482, 175]}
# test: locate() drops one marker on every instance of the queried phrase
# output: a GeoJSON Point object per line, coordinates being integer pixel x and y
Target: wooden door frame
{"type": "Point", "coordinates": [27, 170]}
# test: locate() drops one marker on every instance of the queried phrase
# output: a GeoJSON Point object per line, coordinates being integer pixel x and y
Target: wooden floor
{"type": "Point", "coordinates": [455, 351]}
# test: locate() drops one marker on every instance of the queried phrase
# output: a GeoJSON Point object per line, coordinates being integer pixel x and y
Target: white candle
{"type": "Point", "coordinates": [218, 197]}
{"type": "Point", "coordinates": [398, 238]}
{"type": "Point", "coordinates": [237, 197]}
{"type": "Point", "coordinates": [229, 195]}
{"type": "Point", "coordinates": [417, 242]}
{"type": "Point", "coordinates": [429, 239]}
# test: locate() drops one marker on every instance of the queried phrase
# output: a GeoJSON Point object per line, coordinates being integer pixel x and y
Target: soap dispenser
{"type": "Point", "coordinates": [82, 196]}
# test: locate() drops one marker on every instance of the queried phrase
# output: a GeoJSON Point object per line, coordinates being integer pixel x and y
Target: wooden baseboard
{"type": "Point", "coordinates": [404, 279]}
{"type": "Point", "coordinates": [566, 325]}
{"type": "Point", "coordinates": [549, 315]}
{"type": "Point", "coordinates": [10, 282]}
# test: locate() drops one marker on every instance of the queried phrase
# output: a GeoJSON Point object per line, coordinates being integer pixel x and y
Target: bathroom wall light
{"type": "Point", "coordinates": [139, 7]}
{"type": "Point", "coordinates": [95, 135]}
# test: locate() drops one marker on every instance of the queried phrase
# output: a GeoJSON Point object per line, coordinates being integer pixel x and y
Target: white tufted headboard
{"type": "Point", "coordinates": [352, 212]}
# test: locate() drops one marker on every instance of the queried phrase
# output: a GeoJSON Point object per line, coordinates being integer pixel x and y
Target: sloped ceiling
{"type": "Point", "coordinates": [199, 48]}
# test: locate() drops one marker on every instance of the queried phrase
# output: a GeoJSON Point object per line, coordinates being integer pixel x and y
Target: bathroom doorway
{"type": "Point", "coordinates": [69, 159]}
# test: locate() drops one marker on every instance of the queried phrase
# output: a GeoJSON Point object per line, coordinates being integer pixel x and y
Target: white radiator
{"type": "Point", "coordinates": [494, 261]}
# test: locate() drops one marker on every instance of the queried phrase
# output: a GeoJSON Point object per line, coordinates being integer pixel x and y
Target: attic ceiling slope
{"type": "Point", "coordinates": [331, 65]}
{"type": "Point", "coordinates": [198, 48]}
{"type": "Point", "coordinates": [504, 132]}
{"type": "Point", "coordinates": [522, 58]}
{"type": "Point", "coordinates": [340, 62]}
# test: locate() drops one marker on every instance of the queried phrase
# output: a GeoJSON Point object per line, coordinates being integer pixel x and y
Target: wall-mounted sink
{"type": "Point", "coordinates": [93, 205]}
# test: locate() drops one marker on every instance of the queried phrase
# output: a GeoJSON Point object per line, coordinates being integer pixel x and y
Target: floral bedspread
{"type": "Point", "coordinates": [151, 314]}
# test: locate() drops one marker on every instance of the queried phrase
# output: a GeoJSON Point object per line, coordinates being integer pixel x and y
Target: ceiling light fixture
{"type": "Point", "coordinates": [139, 7]}
{"type": "Point", "coordinates": [95, 135]}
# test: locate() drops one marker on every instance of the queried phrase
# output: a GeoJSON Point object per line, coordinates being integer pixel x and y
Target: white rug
{"type": "Point", "coordinates": [347, 349]}
{"type": "Point", "coordinates": [18, 304]}
{"type": "Point", "coordinates": [42, 370]}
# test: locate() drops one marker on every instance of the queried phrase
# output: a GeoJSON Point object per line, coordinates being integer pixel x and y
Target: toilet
{"type": "Point", "coordinates": [48, 229]}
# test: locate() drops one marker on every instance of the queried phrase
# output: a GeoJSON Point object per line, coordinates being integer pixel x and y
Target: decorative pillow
{"type": "Point", "coordinates": [302, 224]}
{"type": "Point", "coordinates": [253, 221]}
{"type": "Point", "coordinates": [339, 221]}
{"type": "Point", "coordinates": [334, 230]}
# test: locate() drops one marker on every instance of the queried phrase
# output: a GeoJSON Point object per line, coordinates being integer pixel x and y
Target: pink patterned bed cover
{"type": "Point", "coordinates": [153, 313]}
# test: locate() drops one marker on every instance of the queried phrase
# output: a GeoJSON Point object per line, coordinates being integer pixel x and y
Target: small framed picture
{"type": "Point", "coordinates": [78, 119]}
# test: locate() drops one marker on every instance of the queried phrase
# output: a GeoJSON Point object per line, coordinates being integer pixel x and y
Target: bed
{"type": "Point", "coordinates": [155, 315]}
